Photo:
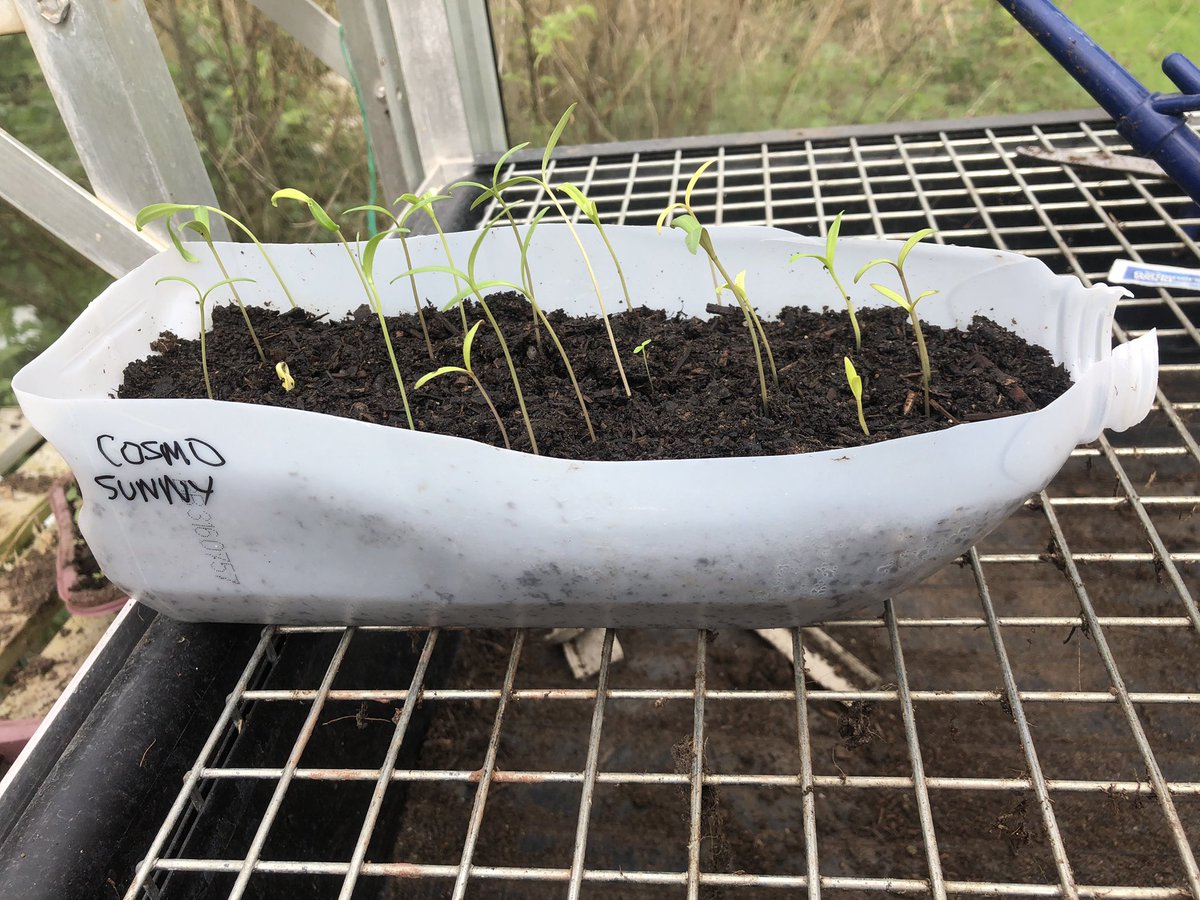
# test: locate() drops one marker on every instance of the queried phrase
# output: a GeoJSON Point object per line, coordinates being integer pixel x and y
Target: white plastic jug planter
{"type": "Point", "coordinates": [259, 514]}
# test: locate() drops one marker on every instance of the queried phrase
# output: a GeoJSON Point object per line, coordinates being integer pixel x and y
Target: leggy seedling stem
{"type": "Point", "coordinates": [696, 238]}
{"type": "Point", "coordinates": [856, 388]}
{"type": "Point", "coordinates": [644, 349]}
{"type": "Point", "coordinates": [425, 202]}
{"type": "Point", "coordinates": [549, 189]}
{"type": "Point", "coordinates": [468, 370]}
{"type": "Point", "coordinates": [365, 274]}
{"type": "Point", "coordinates": [200, 225]}
{"type": "Point", "coordinates": [202, 296]}
{"type": "Point", "coordinates": [496, 192]}
{"type": "Point", "coordinates": [402, 233]}
{"type": "Point", "coordinates": [909, 305]}
{"type": "Point", "coordinates": [827, 262]}
{"type": "Point", "coordinates": [537, 310]}
{"type": "Point", "coordinates": [907, 302]}
{"type": "Point", "coordinates": [477, 290]}
{"type": "Point", "coordinates": [737, 287]}
{"type": "Point", "coordinates": [588, 207]}
{"type": "Point", "coordinates": [156, 211]}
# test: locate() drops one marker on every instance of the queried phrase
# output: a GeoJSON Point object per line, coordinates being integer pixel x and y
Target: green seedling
{"type": "Point", "coordinates": [425, 203]}
{"type": "Point", "coordinates": [827, 261]}
{"type": "Point", "coordinates": [539, 315]}
{"type": "Point", "coordinates": [364, 268]}
{"type": "Point", "coordinates": [696, 237]}
{"type": "Point", "coordinates": [402, 233]}
{"type": "Point", "coordinates": [199, 223]}
{"type": "Point", "coordinates": [469, 371]}
{"type": "Point", "coordinates": [477, 289]}
{"type": "Point", "coordinates": [856, 389]}
{"type": "Point", "coordinates": [587, 206]}
{"type": "Point", "coordinates": [644, 349]}
{"type": "Point", "coordinates": [544, 181]}
{"type": "Point", "coordinates": [202, 296]}
{"type": "Point", "coordinates": [738, 289]}
{"type": "Point", "coordinates": [156, 211]}
{"type": "Point", "coordinates": [907, 302]}
{"type": "Point", "coordinates": [285, 376]}
{"type": "Point", "coordinates": [496, 192]}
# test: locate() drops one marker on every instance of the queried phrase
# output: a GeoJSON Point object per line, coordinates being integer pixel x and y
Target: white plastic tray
{"type": "Point", "coordinates": [302, 518]}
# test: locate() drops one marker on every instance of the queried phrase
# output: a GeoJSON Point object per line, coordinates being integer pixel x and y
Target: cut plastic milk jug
{"type": "Point", "coordinates": [258, 514]}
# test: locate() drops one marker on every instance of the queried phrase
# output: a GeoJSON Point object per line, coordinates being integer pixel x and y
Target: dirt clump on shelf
{"type": "Point", "coordinates": [701, 397]}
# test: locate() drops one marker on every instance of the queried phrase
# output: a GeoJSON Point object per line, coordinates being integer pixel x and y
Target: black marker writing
{"type": "Point", "coordinates": [162, 488]}
{"type": "Point", "coordinates": [136, 453]}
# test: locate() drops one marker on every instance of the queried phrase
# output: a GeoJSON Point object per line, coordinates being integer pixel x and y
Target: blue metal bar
{"type": "Point", "coordinates": [1183, 72]}
{"type": "Point", "coordinates": [1152, 123]}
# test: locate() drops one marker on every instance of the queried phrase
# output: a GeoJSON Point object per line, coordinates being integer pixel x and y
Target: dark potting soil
{"type": "Point", "coordinates": [701, 397]}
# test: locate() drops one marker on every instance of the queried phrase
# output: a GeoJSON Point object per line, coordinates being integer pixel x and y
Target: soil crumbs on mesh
{"type": "Point", "coordinates": [701, 397]}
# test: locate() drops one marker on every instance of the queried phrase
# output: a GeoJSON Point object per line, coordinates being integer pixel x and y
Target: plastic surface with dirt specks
{"type": "Point", "coordinates": [249, 513]}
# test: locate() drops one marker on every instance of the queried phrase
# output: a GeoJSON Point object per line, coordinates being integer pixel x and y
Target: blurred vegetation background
{"type": "Point", "coordinates": [266, 114]}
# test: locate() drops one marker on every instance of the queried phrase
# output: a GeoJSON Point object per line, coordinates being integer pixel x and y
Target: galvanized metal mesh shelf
{"type": "Point", "coordinates": [1047, 687]}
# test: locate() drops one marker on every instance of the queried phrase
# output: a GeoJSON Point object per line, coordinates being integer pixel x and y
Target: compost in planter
{"type": "Point", "coordinates": [308, 505]}
{"type": "Point", "coordinates": [700, 397]}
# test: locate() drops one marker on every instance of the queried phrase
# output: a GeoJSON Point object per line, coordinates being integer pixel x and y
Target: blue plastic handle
{"type": "Point", "coordinates": [1153, 123]}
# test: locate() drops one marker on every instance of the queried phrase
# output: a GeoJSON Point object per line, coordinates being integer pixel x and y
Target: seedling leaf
{"type": "Point", "coordinates": [852, 377]}
{"type": "Point", "coordinates": [421, 270]}
{"type": "Point", "coordinates": [921, 296]}
{"type": "Point", "coordinates": [694, 230]}
{"type": "Point", "coordinates": [872, 264]}
{"type": "Point", "coordinates": [156, 211]}
{"type": "Point", "coordinates": [319, 214]}
{"type": "Point", "coordinates": [662, 216]}
{"type": "Point", "coordinates": [586, 205]}
{"type": "Point", "coordinates": [817, 256]}
{"type": "Point", "coordinates": [468, 341]}
{"type": "Point", "coordinates": [368, 256]}
{"type": "Point", "coordinates": [457, 299]}
{"type": "Point", "coordinates": [832, 236]}
{"type": "Point", "coordinates": [225, 281]}
{"type": "Point", "coordinates": [515, 180]}
{"type": "Point", "coordinates": [687, 194]}
{"type": "Point", "coordinates": [444, 370]}
{"type": "Point", "coordinates": [187, 255]}
{"type": "Point", "coordinates": [497, 283]}
{"type": "Point", "coordinates": [182, 280]}
{"type": "Point", "coordinates": [554, 136]}
{"type": "Point", "coordinates": [198, 226]}
{"type": "Point", "coordinates": [504, 158]}
{"type": "Point", "coordinates": [371, 208]}
{"type": "Point", "coordinates": [855, 383]}
{"type": "Point", "coordinates": [487, 194]}
{"type": "Point", "coordinates": [911, 243]}
{"type": "Point", "coordinates": [893, 296]}
{"type": "Point", "coordinates": [529, 231]}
